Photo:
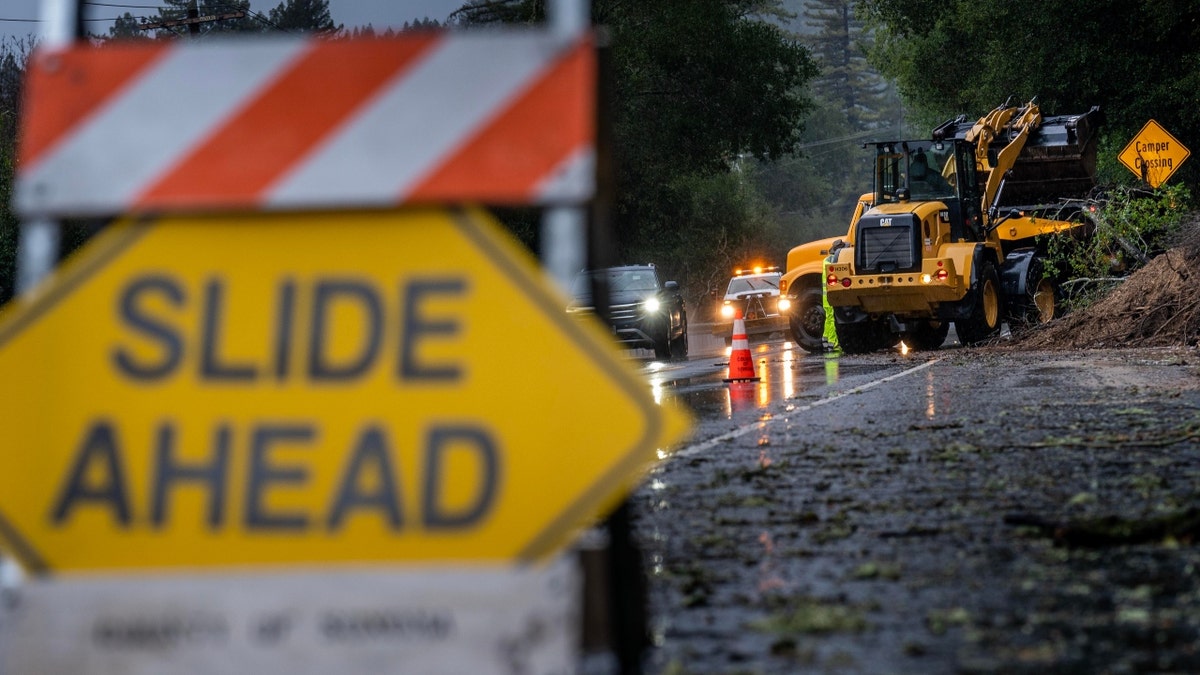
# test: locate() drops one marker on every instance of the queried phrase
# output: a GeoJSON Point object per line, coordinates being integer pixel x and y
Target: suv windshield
{"type": "Point", "coordinates": [619, 280]}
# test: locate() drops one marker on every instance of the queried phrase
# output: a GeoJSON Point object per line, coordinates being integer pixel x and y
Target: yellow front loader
{"type": "Point", "coordinates": [956, 227]}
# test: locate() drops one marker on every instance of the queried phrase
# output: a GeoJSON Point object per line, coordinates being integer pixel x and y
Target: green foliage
{"type": "Point", "coordinates": [729, 225]}
{"type": "Point", "coordinates": [289, 16]}
{"type": "Point", "coordinates": [303, 16]}
{"type": "Point", "coordinates": [13, 56]}
{"type": "Point", "coordinates": [484, 12]}
{"type": "Point", "coordinates": [1131, 226]}
{"type": "Point", "coordinates": [697, 87]}
{"type": "Point", "coordinates": [8, 221]}
{"type": "Point", "coordinates": [1136, 60]}
{"type": "Point", "coordinates": [852, 103]}
{"type": "Point", "coordinates": [421, 25]}
{"type": "Point", "coordinates": [846, 79]}
{"type": "Point", "coordinates": [811, 196]}
{"type": "Point", "coordinates": [1138, 225]}
{"type": "Point", "coordinates": [126, 27]}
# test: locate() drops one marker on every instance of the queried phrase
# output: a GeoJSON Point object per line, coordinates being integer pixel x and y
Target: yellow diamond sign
{"type": "Point", "coordinates": [299, 389]}
{"type": "Point", "coordinates": [1153, 154]}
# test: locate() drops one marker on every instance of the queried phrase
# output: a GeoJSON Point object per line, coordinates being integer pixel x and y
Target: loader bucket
{"type": "Point", "coordinates": [1058, 161]}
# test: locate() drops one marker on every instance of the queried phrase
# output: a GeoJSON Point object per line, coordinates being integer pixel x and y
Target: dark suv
{"type": "Point", "coordinates": [643, 311]}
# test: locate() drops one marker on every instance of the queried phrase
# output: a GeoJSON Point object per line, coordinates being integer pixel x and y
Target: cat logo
{"type": "Point", "coordinates": [885, 222]}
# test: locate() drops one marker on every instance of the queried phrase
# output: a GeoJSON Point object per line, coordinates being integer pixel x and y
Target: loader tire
{"type": "Point", "coordinates": [1041, 301]}
{"type": "Point", "coordinates": [807, 321]}
{"type": "Point", "coordinates": [927, 335]}
{"type": "Point", "coordinates": [864, 337]}
{"type": "Point", "coordinates": [984, 321]}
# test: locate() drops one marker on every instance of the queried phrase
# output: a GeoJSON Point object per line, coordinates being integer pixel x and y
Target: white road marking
{"type": "Point", "coordinates": [704, 446]}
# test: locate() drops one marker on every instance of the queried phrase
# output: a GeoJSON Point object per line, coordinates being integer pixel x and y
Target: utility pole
{"type": "Point", "coordinates": [193, 20]}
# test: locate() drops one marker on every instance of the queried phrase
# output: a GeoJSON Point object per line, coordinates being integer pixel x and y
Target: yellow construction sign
{"type": "Point", "coordinates": [1153, 154]}
{"type": "Point", "coordinates": [309, 389]}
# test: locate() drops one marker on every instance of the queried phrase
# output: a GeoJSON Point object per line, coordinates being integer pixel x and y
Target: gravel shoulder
{"type": "Point", "coordinates": [1000, 511]}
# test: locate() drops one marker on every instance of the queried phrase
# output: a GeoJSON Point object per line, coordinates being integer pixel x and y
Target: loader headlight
{"type": "Point", "coordinates": [727, 311]}
{"type": "Point", "coordinates": [784, 304]}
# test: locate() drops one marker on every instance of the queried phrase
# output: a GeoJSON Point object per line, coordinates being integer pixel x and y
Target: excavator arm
{"type": "Point", "coordinates": [1018, 123]}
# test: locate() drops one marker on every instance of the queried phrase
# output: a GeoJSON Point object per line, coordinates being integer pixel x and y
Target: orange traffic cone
{"type": "Point", "coordinates": [741, 364]}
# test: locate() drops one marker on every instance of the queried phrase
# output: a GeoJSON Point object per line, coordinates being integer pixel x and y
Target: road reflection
{"type": "Point", "coordinates": [937, 398]}
{"type": "Point", "coordinates": [774, 363]}
{"type": "Point", "coordinates": [785, 371]}
{"type": "Point", "coordinates": [831, 368]}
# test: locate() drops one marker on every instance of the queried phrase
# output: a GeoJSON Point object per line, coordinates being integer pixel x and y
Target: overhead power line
{"type": "Point", "coordinates": [850, 137]}
{"type": "Point", "coordinates": [89, 2]}
{"type": "Point", "coordinates": [39, 20]}
{"type": "Point", "coordinates": [123, 6]}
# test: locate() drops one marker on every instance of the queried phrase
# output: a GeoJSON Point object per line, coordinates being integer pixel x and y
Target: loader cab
{"type": "Point", "coordinates": [932, 171]}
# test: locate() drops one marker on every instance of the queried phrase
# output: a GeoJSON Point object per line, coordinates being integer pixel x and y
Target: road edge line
{"type": "Point", "coordinates": [690, 450]}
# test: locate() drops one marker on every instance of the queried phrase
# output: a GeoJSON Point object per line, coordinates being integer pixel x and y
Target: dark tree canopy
{"type": "Point", "coordinates": [290, 16]}
{"type": "Point", "coordinates": [13, 56]}
{"type": "Point", "coordinates": [696, 86]}
{"type": "Point", "coordinates": [1137, 60]}
{"type": "Point", "coordinates": [303, 16]}
{"type": "Point", "coordinates": [846, 79]}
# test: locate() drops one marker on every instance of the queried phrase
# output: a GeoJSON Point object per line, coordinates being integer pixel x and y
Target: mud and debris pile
{"type": "Point", "coordinates": [1156, 306]}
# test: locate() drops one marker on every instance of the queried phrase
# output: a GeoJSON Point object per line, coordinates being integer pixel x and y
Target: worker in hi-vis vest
{"type": "Point", "coordinates": [831, 341]}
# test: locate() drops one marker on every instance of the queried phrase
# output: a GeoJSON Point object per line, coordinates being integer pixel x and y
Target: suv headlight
{"type": "Point", "coordinates": [651, 305]}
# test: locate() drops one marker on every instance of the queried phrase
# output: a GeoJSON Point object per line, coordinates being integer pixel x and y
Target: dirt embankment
{"type": "Point", "coordinates": [1156, 306]}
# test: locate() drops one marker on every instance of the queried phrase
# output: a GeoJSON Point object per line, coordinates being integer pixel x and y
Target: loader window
{"type": "Point", "coordinates": [964, 225]}
{"type": "Point", "coordinates": [888, 175]}
{"type": "Point", "coordinates": [925, 175]}
{"type": "Point", "coordinates": [942, 159]}
{"type": "Point", "coordinates": [969, 179]}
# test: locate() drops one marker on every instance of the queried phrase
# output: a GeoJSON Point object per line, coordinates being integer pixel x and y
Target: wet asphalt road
{"type": "Point", "coordinates": [958, 511]}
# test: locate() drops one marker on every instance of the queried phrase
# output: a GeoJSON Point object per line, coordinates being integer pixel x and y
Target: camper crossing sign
{"type": "Point", "coordinates": [1153, 154]}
